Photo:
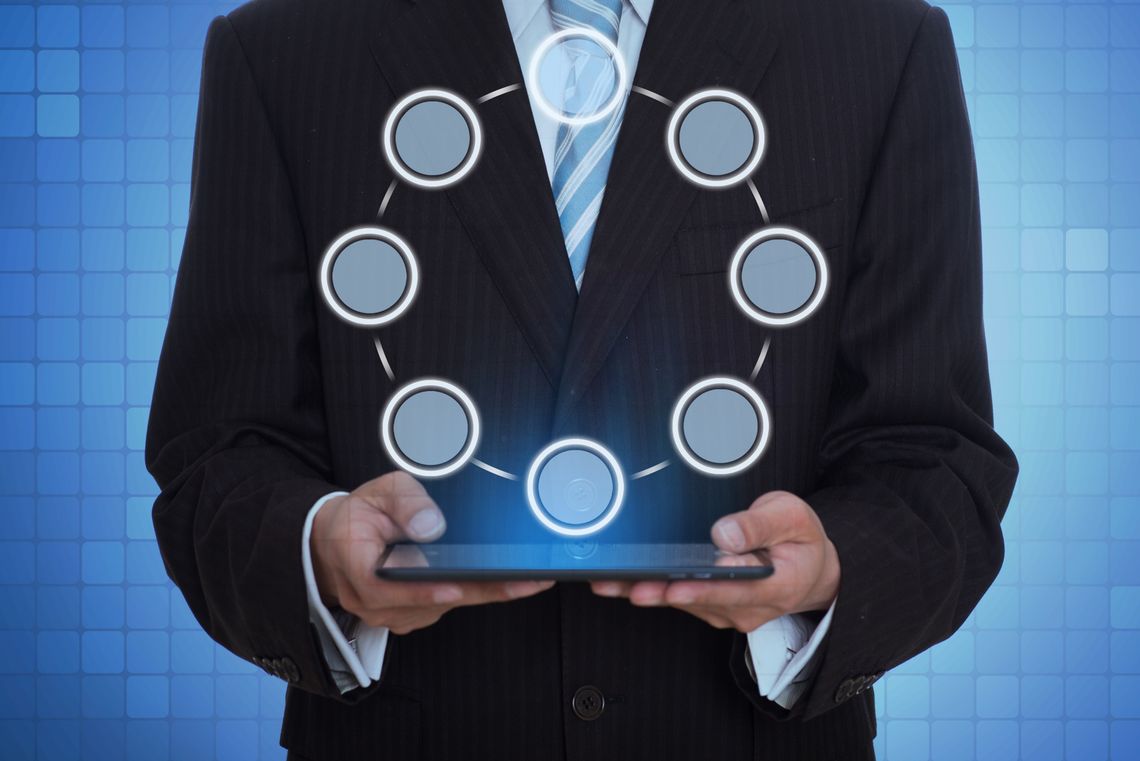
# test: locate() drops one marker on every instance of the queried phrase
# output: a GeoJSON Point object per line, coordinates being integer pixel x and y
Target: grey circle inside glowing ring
{"type": "Point", "coordinates": [673, 138]}
{"type": "Point", "coordinates": [388, 138]}
{"type": "Point", "coordinates": [694, 460]}
{"type": "Point", "coordinates": [342, 310]}
{"type": "Point", "coordinates": [562, 445]}
{"type": "Point", "coordinates": [387, 421]}
{"type": "Point", "coordinates": [544, 48]}
{"type": "Point", "coordinates": [736, 269]}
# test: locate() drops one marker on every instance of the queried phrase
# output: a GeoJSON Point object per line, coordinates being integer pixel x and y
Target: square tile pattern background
{"type": "Point", "coordinates": [100, 658]}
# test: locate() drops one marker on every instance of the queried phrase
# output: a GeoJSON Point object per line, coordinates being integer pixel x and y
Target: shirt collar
{"type": "Point", "coordinates": [642, 8]}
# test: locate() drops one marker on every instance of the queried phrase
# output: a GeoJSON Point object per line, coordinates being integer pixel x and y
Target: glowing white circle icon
{"type": "Point", "coordinates": [720, 426]}
{"type": "Point", "coordinates": [432, 138]}
{"type": "Point", "coordinates": [430, 428]}
{"type": "Point", "coordinates": [616, 83]}
{"type": "Point", "coordinates": [778, 276]}
{"type": "Point", "coordinates": [575, 487]}
{"type": "Point", "coordinates": [715, 138]}
{"type": "Point", "coordinates": [369, 276]}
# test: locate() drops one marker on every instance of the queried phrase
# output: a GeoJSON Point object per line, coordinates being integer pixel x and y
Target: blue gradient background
{"type": "Point", "coordinates": [99, 656]}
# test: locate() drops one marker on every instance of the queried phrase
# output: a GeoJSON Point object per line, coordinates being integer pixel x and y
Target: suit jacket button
{"type": "Point", "coordinates": [844, 690]}
{"type": "Point", "coordinates": [588, 703]}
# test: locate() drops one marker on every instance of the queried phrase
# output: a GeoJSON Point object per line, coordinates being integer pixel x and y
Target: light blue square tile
{"type": "Point", "coordinates": [57, 115]}
{"type": "Point", "coordinates": [58, 26]}
{"type": "Point", "coordinates": [102, 26]}
{"type": "Point", "coordinates": [1086, 250]}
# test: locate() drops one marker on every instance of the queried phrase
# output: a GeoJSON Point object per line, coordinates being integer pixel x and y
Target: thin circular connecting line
{"type": "Point", "coordinates": [650, 470]}
{"type": "Point", "coordinates": [652, 95]}
{"type": "Point", "coordinates": [759, 201]}
{"type": "Point", "coordinates": [760, 360]}
{"type": "Point", "coordinates": [496, 93]}
{"type": "Point", "coordinates": [386, 199]}
{"type": "Point", "coordinates": [493, 470]}
{"type": "Point", "coordinates": [383, 358]}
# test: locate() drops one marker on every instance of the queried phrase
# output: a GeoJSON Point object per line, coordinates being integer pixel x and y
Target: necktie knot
{"type": "Point", "coordinates": [603, 16]}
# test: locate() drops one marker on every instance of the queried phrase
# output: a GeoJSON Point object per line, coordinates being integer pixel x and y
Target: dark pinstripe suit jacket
{"type": "Point", "coordinates": [880, 403]}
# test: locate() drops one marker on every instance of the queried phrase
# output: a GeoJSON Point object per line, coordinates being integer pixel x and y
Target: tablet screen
{"type": "Point", "coordinates": [581, 560]}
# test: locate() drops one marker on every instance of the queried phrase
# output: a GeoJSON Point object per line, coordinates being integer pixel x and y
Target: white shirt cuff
{"type": "Point", "coordinates": [781, 653]}
{"type": "Point", "coordinates": [353, 652]}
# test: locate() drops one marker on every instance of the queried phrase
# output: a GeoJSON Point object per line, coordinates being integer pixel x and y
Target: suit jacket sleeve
{"type": "Point", "coordinates": [913, 480]}
{"type": "Point", "coordinates": [237, 439]}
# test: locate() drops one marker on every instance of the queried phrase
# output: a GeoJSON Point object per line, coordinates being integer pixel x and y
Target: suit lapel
{"type": "Point", "coordinates": [688, 46]}
{"type": "Point", "coordinates": [505, 204]}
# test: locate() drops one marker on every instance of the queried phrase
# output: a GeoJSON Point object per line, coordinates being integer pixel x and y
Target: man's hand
{"type": "Point", "coordinates": [779, 528]}
{"type": "Point", "coordinates": [351, 532]}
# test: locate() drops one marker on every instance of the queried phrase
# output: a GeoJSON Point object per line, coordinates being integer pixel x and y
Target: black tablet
{"type": "Point", "coordinates": [570, 561]}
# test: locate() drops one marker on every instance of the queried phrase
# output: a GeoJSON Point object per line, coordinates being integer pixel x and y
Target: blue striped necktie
{"type": "Point", "coordinates": [583, 151]}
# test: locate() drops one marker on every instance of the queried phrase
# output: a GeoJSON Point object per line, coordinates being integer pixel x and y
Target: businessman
{"type": "Point", "coordinates": [574, 284]}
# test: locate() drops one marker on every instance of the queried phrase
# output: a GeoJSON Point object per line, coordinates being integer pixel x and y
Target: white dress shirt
{"type": "Point", "coordinates": [781, 650]}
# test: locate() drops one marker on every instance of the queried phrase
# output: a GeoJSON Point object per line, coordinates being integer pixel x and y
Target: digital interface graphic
{"type": "Point", "coordinates": [101, 658]}
{"type": "Point", "coordinates": [715, 139]}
